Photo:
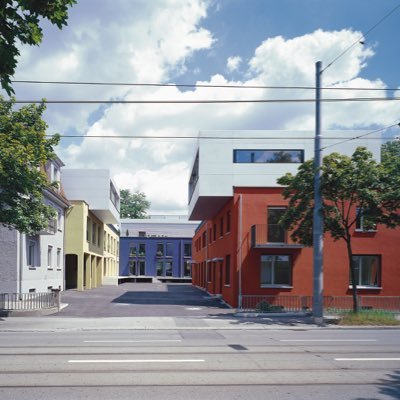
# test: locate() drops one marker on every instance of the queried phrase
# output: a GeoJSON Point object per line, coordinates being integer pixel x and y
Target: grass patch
{"type": "Point", "coordinates": [369, 317]}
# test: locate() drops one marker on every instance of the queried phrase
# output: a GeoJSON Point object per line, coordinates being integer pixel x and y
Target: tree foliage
{"type": "Point", "coordinates": [349, 186]}
{"type": "Point", "coordinates": [24, 150]}
{"type": "Point", "coordinates": [133, 205]}
{"type": "Point", "coordinates": [19, 21]}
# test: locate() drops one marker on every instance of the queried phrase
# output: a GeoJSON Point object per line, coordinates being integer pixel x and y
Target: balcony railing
{"type": "Point", "coordinates": [264, 236]}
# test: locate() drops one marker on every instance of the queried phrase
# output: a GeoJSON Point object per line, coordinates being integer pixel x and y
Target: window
{"type": "Point", "coordinates": [221, 227]}
{"type": "Point", "coordinates": [169, 249]}
{"type": "Point", "coordinates": [88, 229]}
{"type": "Point", "coordinates": [268, 156]}
{"type": "Point", "coordinates": [105, 240]}
{"type": "Point", "coordinates": [203, 237]}
{"type": "Point", "coordinates": [168, 268]}
{"type": "Point", "coordinates": [142, 250]}
{"type": "Point", "coordinates": [160, 250]}
{"type": "Point", "coordinates": [362, 224]}
{"type": "Point", "coordinates": [194, 176]}
{"type": "Point", "coordinates": [209, 272]}
{"type": "Point", "coordinates": [59, 220]}
{"type": "Point", "coordinates": [214, 232]}
{"type": "Point", "coordinates": [142, 267]}
{"type": "Point", "coordinates": [94, 232]}
{"type": "Point", "coordinates": [31, 253]}
{"type": "Point", "coordinates": [142, 234]}
{"type": "Point", "coordinates": [98, 236]}
{"type": "Point", "coordinates": [228, 270]}
{"type": "Point", "coordinates": [114, 196]}
{"type": "Point", "coordinates": [186, 269]}
{"type": "Point", "coordinates": [132, 267]}
{"type": "Point", "coordinates": [275, 233]}
{"type": "Point", "coordinates": [49, 256]}
{"type": "Point", "coordinates": [132, 250]}
{"type": "Point", "coordinates": [228, 221]}
{"type": "Point", "coordinates": [159, 268]}
{"type": "Point", "coordinates": [58, 258]}
{"type": "Point", "coordinates": [276, 270]}
{"type": "Point", "coordinates": [187, 250]}
{"type": "Point", "coordinates": [367, 270]}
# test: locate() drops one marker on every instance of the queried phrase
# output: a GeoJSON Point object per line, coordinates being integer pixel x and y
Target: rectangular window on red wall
{"type": "Point", "coordinates": [228, 221]}
{"type": "Point", "coordinates": [367, 270]}
{"type": "Point", "coordinates": [228, 270]}
{"type": "Point", "coordinates": [275, 233]}
{"type": "Point", "coordinates": [221, 226]}
{"type": "Point", "coordinates": [276, 270]}
{"type": "Point", "coordinates": [209, 272]}
{"type": "Point", "coordinates": [215, 232]}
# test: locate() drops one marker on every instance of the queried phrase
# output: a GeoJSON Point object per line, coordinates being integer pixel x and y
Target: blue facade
{"type": "Point", "coordinates": [155, 257]}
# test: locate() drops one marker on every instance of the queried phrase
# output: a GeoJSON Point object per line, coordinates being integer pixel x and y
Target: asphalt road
{"type": "Point", "coordinates": [142, 300]}
{"type": "Point", "coordinates": [242, 363]}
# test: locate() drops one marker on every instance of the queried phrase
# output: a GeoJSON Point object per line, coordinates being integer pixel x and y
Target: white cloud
{"type": "Point", "coordinates": [147, 41]}
{"type": "Point", "coordinates": [233, 63]}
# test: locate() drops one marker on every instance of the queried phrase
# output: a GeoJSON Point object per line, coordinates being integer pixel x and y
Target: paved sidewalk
{"type": "Point", "coordinates": [45, 324]}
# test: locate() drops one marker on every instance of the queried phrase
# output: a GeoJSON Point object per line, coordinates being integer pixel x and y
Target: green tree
{"type": "Point", "coordinates": [24, 150]}
{"type": "Point", "coordinates": [351, 187]}
{"type": "Point", "coordinates": [133, 205]}
{"type": "Point", "coordinates": [19, 21]}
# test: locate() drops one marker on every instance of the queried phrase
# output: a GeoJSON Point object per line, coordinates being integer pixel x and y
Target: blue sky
{"type": "Point", "coordinates": [263, 42]}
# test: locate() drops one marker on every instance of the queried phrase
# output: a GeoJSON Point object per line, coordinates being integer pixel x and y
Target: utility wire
{"type": "Point", "coordinates": [361, 38]}
{"type": "Point", "coordinates": [201, 137]}
{"type": "Point", "coordinates": [331, 100]}
{"type": "Point", "coordinates": [361, 136]}
{"type": "Point", "coordinates": [194, 85]}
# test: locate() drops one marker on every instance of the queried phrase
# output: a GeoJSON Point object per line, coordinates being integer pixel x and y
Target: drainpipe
{"type": "Point", "coordinates": [240, 252]}
{"type": "Point", "coordinates": [20, 263]}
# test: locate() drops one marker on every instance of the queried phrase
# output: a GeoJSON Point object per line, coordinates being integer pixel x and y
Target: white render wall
{"type": "Point", "coordinates": [218, 174]}
{"type": "Point", "coordinates": [92, 186]}
{"type": "Point", "coordinates": [159, 227]}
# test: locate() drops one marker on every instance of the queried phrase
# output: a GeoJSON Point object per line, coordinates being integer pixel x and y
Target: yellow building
{"type": "Point", "coordinates": [111, 255]}
{"type": "Point", "coordinates": [84, 257]}
{"type": "Point", "coordinates": [91, 241]}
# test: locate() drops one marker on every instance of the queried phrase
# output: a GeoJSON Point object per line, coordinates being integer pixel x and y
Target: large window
{"type": "Point", "coordinates": [31, 251]}
{"type": "Point", "coordinates": [268, 156]}
{"type": "Point", "coordinates": [159, 268]}
{"type": "Point", "coordinates": [142, 250]}
{"type": "Point", "coordinates": [275, 233]}
{"type": "Point", "coordinates": [228, 270]}
{"type": "Point", "coordinates": [50, 256]}
{"type": "Point", "coordinates": [362, 223]}
{"type": "Point", "coordinates": [169, 249]}
{"type": "Point", "coordinates": [367, 270]}
{"type": "Point", "coordinates": [168, 268]}
{"type": "Point", "coordinates": [187, 250]}
{"type": "Point", "coordinates": [160, 250]}
{"type": "Point", "coordinates": [276, 270]}
{"type": "Point", "coordinates": [187, 269]}
{"type": "Point", "coordinates": [132, 250]}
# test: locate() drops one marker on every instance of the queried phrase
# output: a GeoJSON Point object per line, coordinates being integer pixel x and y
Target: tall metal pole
{"type": "Point", "coordinates": [318, 228]}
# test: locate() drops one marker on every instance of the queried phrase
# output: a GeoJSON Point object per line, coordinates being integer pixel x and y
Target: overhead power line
{"type": "Point", "coordinates": [209, 101]}
{"type": "Point", "coordinates": [360, 39]}
{"type": "Point", "coordinates": [196, 85]}
{"type": "Point", "coordinates": [361, 136]}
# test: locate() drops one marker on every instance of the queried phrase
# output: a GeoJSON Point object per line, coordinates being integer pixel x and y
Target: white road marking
{"type": "Point", "coordinates": [134, 341]}
{"type": "Point", "coordinates": [193, 308]}
{"type": "Point", "coordinates": [368, 359]}
{"type": "Point", "coordinates": [135, 361]}
{"type": "Point", "coordinates": [328, 340]}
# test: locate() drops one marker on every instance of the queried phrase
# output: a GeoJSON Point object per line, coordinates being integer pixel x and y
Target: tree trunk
{"type": "Point", "coordinates": [353, 274]}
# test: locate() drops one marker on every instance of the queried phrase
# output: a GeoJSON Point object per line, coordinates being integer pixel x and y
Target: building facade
{"type": "Point", "coordinates": [158, 247]}
{"type": "Point", "coordinates": [240, 250]}
{"type": "Point", "coordinates": [92, 240]}
{"type": "Point", "coordinates": [36, 263]}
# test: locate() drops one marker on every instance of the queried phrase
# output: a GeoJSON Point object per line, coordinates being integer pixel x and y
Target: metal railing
{"type": "Point", "coordinates": [262, 237]}
{"type": "Point", "coordinates": [276, 303]}
{"type": "Point", "coordinates": [29, 301]}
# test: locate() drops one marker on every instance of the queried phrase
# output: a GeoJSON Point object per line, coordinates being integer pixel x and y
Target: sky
{"type": "Point", "coordinates": [208, 42]}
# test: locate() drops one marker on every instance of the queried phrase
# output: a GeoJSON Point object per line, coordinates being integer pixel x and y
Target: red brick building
{"type": "Point", "coordinates": [240, 250]}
